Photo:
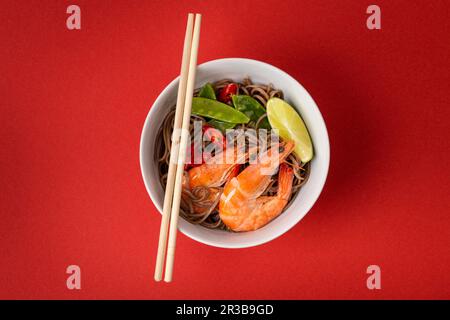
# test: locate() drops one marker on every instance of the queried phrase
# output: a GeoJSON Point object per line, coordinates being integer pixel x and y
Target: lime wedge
{"type": "Point", "coordinates": [290, 127]}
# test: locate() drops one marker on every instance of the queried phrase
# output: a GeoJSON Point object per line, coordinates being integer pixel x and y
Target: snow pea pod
{"type": "Point", "coordinates": [207, 91]}
{"type": "Point", "coordinates": [251, 108]}
{"type": "Point", "coordinates": [221, 125]}
{"type": "Point", "coordinates": [217, 110]}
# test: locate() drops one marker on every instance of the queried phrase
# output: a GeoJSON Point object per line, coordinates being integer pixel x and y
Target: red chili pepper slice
{"type": "Point", "coordinates": [215, 136]}
{"type": "Point", "coordinates": [193, 161]}
{"type": "Point", "coordinates": [226, 93]}
{"type": "Point", "coordinates": [212, 134]}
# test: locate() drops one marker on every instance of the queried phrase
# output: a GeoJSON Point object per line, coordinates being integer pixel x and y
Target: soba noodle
{"type": "Point", "coordinates": [199, 196]}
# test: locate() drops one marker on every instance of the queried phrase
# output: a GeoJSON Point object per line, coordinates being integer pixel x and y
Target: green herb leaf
{"type": "Point", "coordinates": [251, 108]}
{"type": "Point", "coordinates": [207, 91]}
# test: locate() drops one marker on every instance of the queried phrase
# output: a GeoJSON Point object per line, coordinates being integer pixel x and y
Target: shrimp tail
{"type": "Point", "coordinates": [285, 179]}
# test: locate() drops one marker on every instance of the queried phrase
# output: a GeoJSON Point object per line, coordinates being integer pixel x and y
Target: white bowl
{"type": "Point", "coordinates": [294, 93]}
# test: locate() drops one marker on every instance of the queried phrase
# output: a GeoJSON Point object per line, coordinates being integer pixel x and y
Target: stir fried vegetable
{"type": "Point", "coordinates": [207, 91]}
{"type": "Point", "coordinates": [251, 108]}
{"type": "Point", "coordinates": [226, 93]}
{"type": "Point", "coordinates": [217, 110]}
{"type": "Point", "coordinates": [221, 125]}
{"type": "Point", "coordinates": [214, 135]}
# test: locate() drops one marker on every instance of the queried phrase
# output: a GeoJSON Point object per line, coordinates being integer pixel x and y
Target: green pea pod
{"type": "Point", "coordinates": [251, 108]}
{"type": "Point", "coordinates": [207, 91]}
{"type": "Point", "coordinates": [221, 125]}
{"type": "Point", "coordinates": [217, 110]}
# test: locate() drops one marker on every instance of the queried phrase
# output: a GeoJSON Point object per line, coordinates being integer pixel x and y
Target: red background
{"type": "Point", "coordinates": [73, 104]}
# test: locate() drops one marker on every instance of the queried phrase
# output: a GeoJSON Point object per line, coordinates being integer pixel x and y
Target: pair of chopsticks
{"type": "Point", "coordinates": [172, 196]}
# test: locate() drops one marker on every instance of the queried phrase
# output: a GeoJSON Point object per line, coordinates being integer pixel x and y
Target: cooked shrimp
{"type": "Point", "coordinates": [241, 206]}
{"type": "Point", "coordinates": [216, 172]}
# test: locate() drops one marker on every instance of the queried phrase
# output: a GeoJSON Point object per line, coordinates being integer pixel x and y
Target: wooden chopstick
{"type": "Point", "coordinates": [182, 151]}
{"type": "Point", "coordinates": [174, 149]}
